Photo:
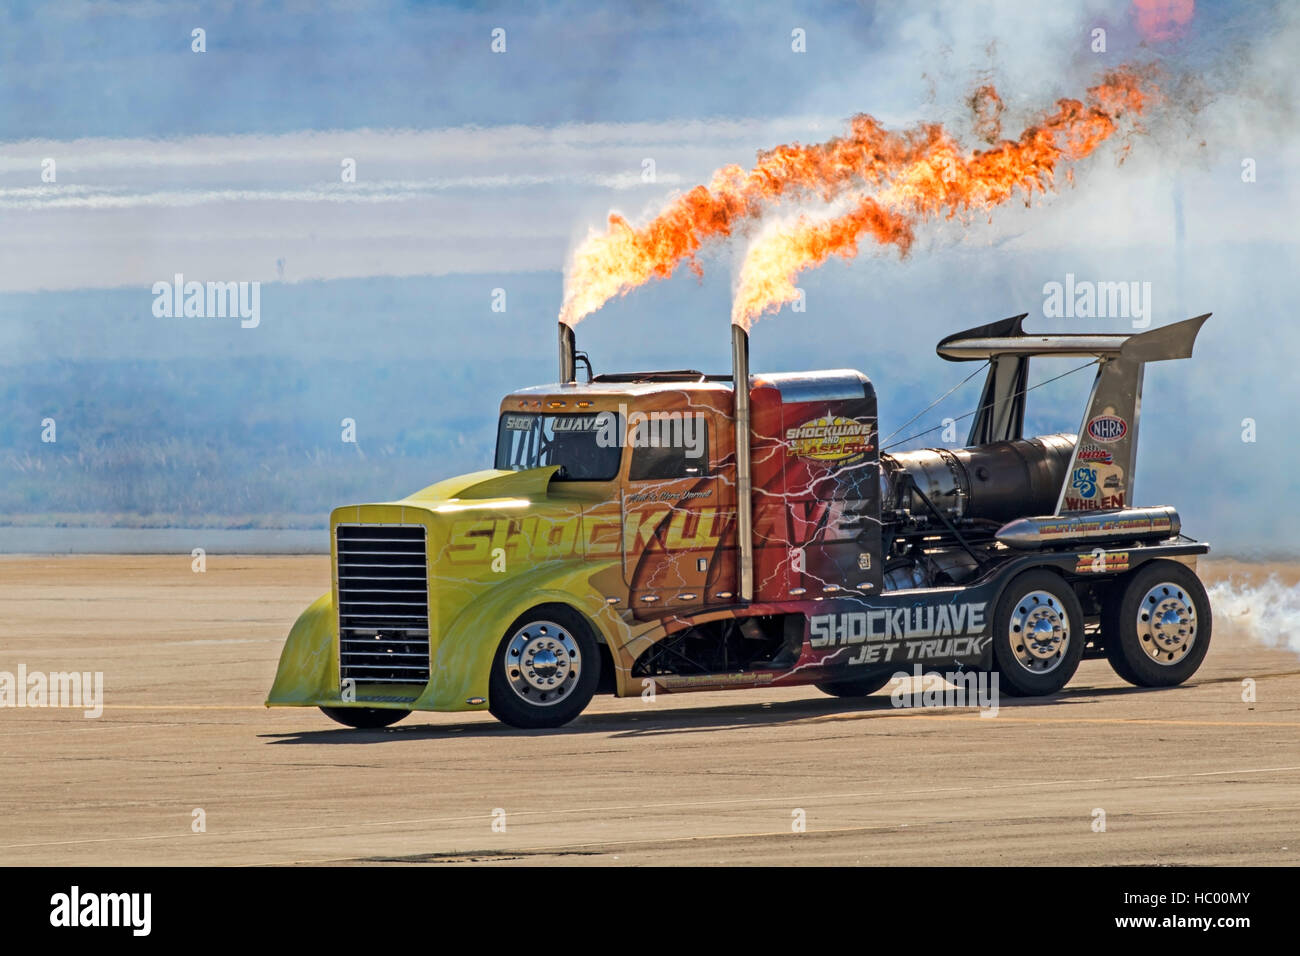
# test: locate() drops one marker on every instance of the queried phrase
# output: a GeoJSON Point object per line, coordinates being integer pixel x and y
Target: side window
{"type": "Point", "coordinates": [675, 448]}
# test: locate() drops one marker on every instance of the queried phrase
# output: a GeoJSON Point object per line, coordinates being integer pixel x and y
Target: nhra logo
{"type": "Point", "coordinates": [1107, 428]}
{"type": "Point", "coordinates": [835, 440]}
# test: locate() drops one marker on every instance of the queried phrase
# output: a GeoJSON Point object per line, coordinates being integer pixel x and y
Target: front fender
{"type": "Point", "coordinates": [463, 660]}
{"type": "Point", "coordinates": [309, 665]}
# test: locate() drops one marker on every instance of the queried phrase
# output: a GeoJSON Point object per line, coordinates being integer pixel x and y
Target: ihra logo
{"type": "Point", "coordinates": [1093, 453]}
{"type": "Point", "coordinates": [1107, 428]}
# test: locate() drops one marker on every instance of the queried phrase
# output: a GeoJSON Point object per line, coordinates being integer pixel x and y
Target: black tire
{"type": "Point", "coordinates": [859, 687]}
{"type": "Point", "coordinates": [1046, 603]}
{"type": "Point", "coordinates": [1110, 640]}
{"type": "Point", "coordinates": [561, 685]}
{"type": "Point", "coordinates": [364, 718]}
{"type": "Point", "coordinates": [1150, 651]}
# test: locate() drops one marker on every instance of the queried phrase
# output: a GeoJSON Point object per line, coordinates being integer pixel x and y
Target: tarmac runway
{"type": "Point", "coordinates": [1188, 775]}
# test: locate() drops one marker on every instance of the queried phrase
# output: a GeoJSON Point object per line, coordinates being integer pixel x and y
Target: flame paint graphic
{"type": "Point", "coordinates": [890, 180]}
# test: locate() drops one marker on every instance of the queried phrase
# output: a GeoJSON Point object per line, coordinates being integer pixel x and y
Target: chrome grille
{"type": "Point", "coordinates": [383, 576]}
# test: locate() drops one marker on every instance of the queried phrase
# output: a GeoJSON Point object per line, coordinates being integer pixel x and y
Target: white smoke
{"type": "Point", "coordinates": [1267, 613]}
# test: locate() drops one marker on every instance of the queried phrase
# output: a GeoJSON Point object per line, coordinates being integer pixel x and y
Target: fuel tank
{"type": "Point", "coordinates": [995, 482]}
{"type": "Point", "coordinates": [1127, 524]}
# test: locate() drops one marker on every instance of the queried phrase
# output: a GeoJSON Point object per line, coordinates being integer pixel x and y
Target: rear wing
{"type": "Point", "coordinates": [1100, 475]}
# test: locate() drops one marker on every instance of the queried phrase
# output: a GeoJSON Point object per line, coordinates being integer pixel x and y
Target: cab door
{"type": "Point", "coordinates": [677, 516]}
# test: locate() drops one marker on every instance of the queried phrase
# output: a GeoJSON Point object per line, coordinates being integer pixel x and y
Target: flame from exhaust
{"type": "Point", "coordinates": [895, 179]}
{"type": "Point", "coordinates": [945, 180]}
{"type": "Point", "coordinates": [624, 257]}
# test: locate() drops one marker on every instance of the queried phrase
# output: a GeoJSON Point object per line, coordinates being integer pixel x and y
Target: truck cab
{"type": "Point", "coordinates": [649, 459]}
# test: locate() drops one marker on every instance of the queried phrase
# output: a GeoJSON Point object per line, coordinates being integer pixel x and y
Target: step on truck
{"type": "Point", "coordinates": [676, 531]}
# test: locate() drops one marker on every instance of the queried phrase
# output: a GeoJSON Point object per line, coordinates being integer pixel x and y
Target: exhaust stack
{"type": "Point", "coordinates": [744, 479]}
{"type": "Point", "coordinates": [568, 355]}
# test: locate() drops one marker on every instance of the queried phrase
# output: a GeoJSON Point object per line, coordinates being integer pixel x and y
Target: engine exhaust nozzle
{"type": "Point", "coordinates": [744, 478]}
{"type": "Point", "coordinates": [568, 355]}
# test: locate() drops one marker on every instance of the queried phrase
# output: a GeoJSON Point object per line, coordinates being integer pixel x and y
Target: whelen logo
{"type": "Point", "coordinates": [1107, 428]}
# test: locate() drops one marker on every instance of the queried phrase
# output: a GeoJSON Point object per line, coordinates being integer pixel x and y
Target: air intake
{"type": "Point", "coordinates": [383, 575]}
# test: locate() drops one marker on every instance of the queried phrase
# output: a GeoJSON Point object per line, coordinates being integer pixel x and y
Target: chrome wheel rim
{"type": "Point", "coordinates": [1039, 632]}
{"type": "Point", "coordinates": [1166, 623]}
{"type": "Point", "coordinates": [542, 663]}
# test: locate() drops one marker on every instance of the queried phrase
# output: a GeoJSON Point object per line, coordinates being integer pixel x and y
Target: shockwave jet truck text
{"type": "Point", "coordinates": [670, 530]}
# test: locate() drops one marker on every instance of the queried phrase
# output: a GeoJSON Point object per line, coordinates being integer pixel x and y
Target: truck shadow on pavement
{"type": "Point", "coordinates": [688, 720]}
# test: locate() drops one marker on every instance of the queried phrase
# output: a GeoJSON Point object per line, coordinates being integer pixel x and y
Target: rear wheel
{"type": "Point", "coordinates": [364, 718]}
{"type": "Point", "coordinates": [1158, 632]}
{"type": "Point", "coordinates": [860, 687]}
{"type": "Point", "coordinates": [1037, 634]}
{"type": "Point", "coordinates": [545, 670]}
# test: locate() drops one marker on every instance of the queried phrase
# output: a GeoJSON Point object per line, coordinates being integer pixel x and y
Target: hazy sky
{"type": "Point", "coordinates": [478, 170]}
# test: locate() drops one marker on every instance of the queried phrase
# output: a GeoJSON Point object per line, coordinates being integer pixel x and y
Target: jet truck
{"type": "Point", "coordinates": [676, 531]}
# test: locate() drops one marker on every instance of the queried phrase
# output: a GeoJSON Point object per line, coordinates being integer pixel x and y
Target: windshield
{"type": "Point", "coordinates": [586, 445]}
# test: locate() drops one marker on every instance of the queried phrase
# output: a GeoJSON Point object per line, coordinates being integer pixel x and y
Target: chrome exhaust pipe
{"type": "Point", "coordinates": [568, 355]}
{"type": "Point", "coordinates": [744, 478]}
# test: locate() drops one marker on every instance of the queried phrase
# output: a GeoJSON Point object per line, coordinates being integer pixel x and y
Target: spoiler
{"type": "Point", "coordinates": [1008, 338]}
{"type": "Point", "coordinates": [1100, 475]}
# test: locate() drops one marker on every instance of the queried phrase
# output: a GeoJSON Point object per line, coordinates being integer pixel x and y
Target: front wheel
{"type": "Point", "coordinates": [1037, 634]}
{"type": "Point", "coordinates": [364, 718]}
{"type": "Point", "coordinates": [546, 669]}
{"type": "Point", "coordinates": [1158, 631]}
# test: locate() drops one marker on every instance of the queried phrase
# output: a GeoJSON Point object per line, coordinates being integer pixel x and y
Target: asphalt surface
{"type": "Point", "coordinates": [1190, 775]}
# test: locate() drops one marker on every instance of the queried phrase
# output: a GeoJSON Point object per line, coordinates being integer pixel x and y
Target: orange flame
{"type": "Point", "coordinates": [624, 257]}
{"type": "Point", "coordinates": [895, 178]}
{"type": "Point", "coordinates": [945, 180]}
